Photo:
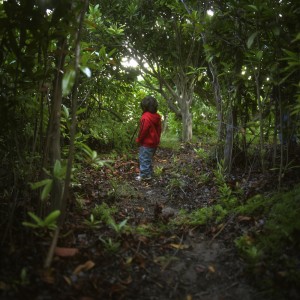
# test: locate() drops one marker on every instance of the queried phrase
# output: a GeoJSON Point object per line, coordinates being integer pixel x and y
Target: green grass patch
{"type": "Point", "coordinates": [170, 141]}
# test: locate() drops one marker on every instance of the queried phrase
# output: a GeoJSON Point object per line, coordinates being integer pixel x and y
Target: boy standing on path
{"type": "Point", "coordinates": [149, 136]}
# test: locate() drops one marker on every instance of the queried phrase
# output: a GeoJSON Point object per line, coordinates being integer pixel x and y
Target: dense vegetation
{"type": "Point", "coordinates": [225, 73]}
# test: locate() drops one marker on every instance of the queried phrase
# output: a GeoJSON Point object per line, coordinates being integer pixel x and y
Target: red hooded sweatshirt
{"type": "Point", "coordinates": [150, 130]}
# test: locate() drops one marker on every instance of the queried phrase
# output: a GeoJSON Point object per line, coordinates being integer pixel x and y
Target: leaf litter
{"type": "Point", "coordinates": [156, 260]}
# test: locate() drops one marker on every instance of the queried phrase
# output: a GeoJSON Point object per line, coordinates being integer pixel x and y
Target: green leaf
{"type": "Point", "coordinates": [85, 148]}
{"type": "Point", "coordinates": [57, 169]}
{"type": "Point", "coordinates": [102, 52]}
{"type": "Point", "coordinates": [259, 54]}
{"type": "Point", "coordinates": [68, 81]}
{"type": "Point", "coordinates": [46, 190]}
{"type": "Point", "coordinates": [251, 39]}
{"type": "Point", "coordinates": [94, 155]}
{"type": "Point", "coordinates": [66, 111]}
{"type": "Point", "coordinates": [38, 220]}
{"type": "Point", "coordinates": [52, 217]}
{"type": "Point", "coordinates": [123, 223]}
{"type": "Point", "coordinates": [80, 111]}
{"type": "Point", "coordinates": [92, 218]}
{"type": "Point", "coordinates": [297, 38]}
{"type": "Point", "coordinates": [253, 7]}
{"type": "Point", "coordinates": [276, 31]}
{"type": "Point", "coordinates": [30, 225]}
{"type": "Point", "coordinates": [39, 184]}
{"type": "Point", "coordinates": [86, 71]}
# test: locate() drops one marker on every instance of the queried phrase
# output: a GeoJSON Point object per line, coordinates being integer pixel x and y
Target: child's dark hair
{"type": "Point", "coordinates": [149, 104]}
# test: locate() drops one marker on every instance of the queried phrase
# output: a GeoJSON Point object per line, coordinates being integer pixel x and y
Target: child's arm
{"type": "Point", "coordinates": [144, 128]}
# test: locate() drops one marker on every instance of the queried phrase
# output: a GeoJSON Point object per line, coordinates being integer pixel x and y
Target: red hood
{"type": "Point", "coordinates": [150, 130]}
{"type": "Point", "coordinates": [153, 118]}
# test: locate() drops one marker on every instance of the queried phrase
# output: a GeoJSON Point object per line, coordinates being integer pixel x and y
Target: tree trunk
{"type": "Point", "coordinates": [218, 100]}
{"type": "Point", "coordinates": [217, 94]}
{"type": "Point", "coordinates": [261, 123]}
{"type": "Point", "coordinates": [187, 123]}
{"type": "Point", "coordinates": [184, 98]}
{"type": "Point", "coordinates": [228, 143]}
{"type": "Point", "coordinates": [64, 191]}
{"type": "Point", "coordinates": [74, 111]}
{"type": "Point", "coordinates": [53, 137]}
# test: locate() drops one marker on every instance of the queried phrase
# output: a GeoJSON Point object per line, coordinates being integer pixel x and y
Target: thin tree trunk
{"type": "Point", "coordinates": [218, 100]}
{"type": "Point", "coordinates": [53, 138]}
{"type": "Point", "coordinates": [74, 110]}
{"type": "Point", "coordinates": [217, 94]}
{"type": "Point", "coordinates": [261, 128]}
{"type": "Point", "coordinates": [228, 142]}
{"type": "Point", "coordinates": [187, 124]}
{"type": "Point", "coordinates": [282, 138]}
{"type": "Point", "coordinates": [65, 195]}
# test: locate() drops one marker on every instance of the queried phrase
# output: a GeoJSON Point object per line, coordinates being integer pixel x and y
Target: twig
{"type": "Point", "coordinates": [222, 228]}
{"type": "Point", "coordinates": [175, 253]}
{"type": "Point", "coordinates": [49, 257]}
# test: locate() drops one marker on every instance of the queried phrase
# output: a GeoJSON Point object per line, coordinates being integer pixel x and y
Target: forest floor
{"type": "Point", "coordinates": [156, 260]}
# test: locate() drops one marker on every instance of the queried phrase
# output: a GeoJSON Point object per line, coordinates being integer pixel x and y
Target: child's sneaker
{"type": "Point", "coordinates": [140, 178]}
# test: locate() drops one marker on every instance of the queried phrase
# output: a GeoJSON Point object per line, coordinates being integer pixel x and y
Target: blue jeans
{"type": "Point", "coordinates": [145, 156]}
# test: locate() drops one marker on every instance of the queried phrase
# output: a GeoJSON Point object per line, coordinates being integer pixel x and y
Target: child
{"type": "Point", "coordinates": [149, 136]}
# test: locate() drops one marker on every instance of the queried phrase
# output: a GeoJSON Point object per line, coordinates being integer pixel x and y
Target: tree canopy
{"type": "Point", "coordinates": [223, 72]}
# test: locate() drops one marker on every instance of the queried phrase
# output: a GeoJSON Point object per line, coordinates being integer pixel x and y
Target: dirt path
{"type": "Point", "coordinates": [155, 262]}
{"type": "Point", "coordinates": [200, 266]}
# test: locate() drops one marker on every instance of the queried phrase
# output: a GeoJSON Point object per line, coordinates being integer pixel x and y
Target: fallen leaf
{"type": "Point", "coordinates": [140, 209]}
{"type": "Point", "coordinates": [211, 269]}
{"type": "Point", "coordinates": [65, 252]}
{"type": "Point", "coordinates": [244, 218]}
{"type": "Point", "coordinates": [84, 267]}
{"type": "Point", "coordinates": [282, 273]}
{"type": "Point", "coordinates": [68, 280]}
{"type": "Point", "coordinates": [4, 286]}
{"type": "Point", "coordinates": [128, 261]}
{"type": "Point", "coordinates": [179, 246]}
{"type": "Point", "coordinates": [200, 268]}
{"type": "Point", "coordinates": [143, 239]}
{"type": "Point", "coordinates": [117, 288]}
{"type": "Point", "coordinates": [47, 276]}
{"type": "Point", "coordinates": [127, 281]}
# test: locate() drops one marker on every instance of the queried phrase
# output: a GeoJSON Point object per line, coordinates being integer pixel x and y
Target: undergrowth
{"type": "Point", "coordinates": [272, 247]}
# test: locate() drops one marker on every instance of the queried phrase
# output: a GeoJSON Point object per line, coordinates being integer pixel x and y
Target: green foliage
{"type": "Point", "coordinates": [283, 223]}
{"type": "Point", "coordinates": [118, 228]}
{"type": "Point", "coordinates": [248, 249]}
{"type": "Point", "coordinates": [256, 205]}
{"type": "Point", "coordinates": [110, 245]}
{"type": "Point", "coordinates": [147, 230]}
{"type": "Point", "coordinates": [120, 189]}
{"type": "Point", "coordinates": [197, 217]}
{"type": "Point", "coordinates": [173, 127]}
{"type": "Point", "coordinates": [104, 212]}
{"type": "Point", "coordinates": [58, 173]}
{"type": "Point", "coordinates": [47, 186]}
{"type": "Point", "coordinates": [92, 222]}
{"type": "Point", "coordinates": [93, 159]}
{"type": "Point", "coordinates": [170, 141]}
{"type": "Point", "coordinates": [49, 222]}
{"type": "Point", "coordinates": [226, 196]}
{"type": "Point", "coordinates": [277, 242]}
{"type": "Point", "coordinates": [204, 121]}
{"type": "Point", "coordinates": [158, 171]}
{"type": "Point", "coordinates": [176, 182]}
{"type": "Point", "coordinates": [204, 178]}
{"type": "Point", "coordinates": [220, 175]}
{"type": "Point", "coordinates": [201, 153]}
